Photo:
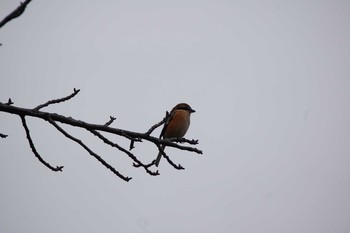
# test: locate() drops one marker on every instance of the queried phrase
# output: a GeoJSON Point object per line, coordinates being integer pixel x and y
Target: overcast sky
{"type": "Point", "coordinates": [270, 81]}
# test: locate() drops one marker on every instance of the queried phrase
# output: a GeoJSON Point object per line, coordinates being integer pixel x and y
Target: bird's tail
{"type": "Point", "coordinates": [159, 156]}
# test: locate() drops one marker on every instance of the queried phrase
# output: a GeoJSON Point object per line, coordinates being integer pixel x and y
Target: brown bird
{"type": "Point", "coordinates": [176, 125]}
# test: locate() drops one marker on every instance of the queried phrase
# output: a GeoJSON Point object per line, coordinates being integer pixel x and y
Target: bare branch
{"type": "Point", "coordinates": [56, 101]}
{"type": "Point", "coordinates": [107, 165]}
{"type": "Point", "coordinates": [16, 13]}
{"type": "Point", "coordinates": [97, 129]}
{"type": "Point", "coordinates": [58, 168]}
{"type": "Point", "coordinates": [78, 123]}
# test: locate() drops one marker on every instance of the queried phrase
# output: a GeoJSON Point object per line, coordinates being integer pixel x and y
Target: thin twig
{"type": "Point", "coordinates": [96, 156]}
{"type": "Point", "coordinates": [131, 146]}
{"type": "Point", "coordinates": [158, 124]}
{"type": "Point", "coordinates": [131, 155]}
{"type": "Point", "coordinates": [147, 165]}
{"type": "Point", "coordinates": [58, 168]}
{"type": "Point", "coordinates": [178, 167]}
{"type": "Point", "coordinates": [56, 101]}
{"type": "Point", "coordinates": [16, 13]}
{"type": "Point", "coordinates": [183, 140]}
{"type": "Point", "coordinates": [110, 121]}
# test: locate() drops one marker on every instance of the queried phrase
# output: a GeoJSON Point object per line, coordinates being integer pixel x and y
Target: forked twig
{"type": "Point", "coordinates": [131, 155]}
{"type": "Point", "coordinates": [108, 123]}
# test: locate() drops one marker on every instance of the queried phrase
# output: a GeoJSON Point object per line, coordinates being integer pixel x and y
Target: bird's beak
{"type": "Point", "coordinates": [192, 111]}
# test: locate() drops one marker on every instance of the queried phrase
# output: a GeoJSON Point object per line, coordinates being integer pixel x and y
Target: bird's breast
{"type": "Point", "coordinates": [178, 125]}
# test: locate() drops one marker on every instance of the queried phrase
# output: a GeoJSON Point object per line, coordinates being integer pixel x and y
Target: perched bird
{"type": "Point", "coordinates": [176, 125]}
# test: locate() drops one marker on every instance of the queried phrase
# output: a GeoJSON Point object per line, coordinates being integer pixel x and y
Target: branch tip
{"type": "Point", "coordinates": [176, 166]}
{"type": "Point", "coordinates": [111, 120]}
{"type": "Point", "coordinates": [127, 179]}
{"type": "Point", "coordinates": [9, 102]}
{"type": "Point", "coordinates": [56, 101]}
{"type": "Point", "coordinates": [16, 13]}
{"type": "Point", "coordinates": [35, 152]}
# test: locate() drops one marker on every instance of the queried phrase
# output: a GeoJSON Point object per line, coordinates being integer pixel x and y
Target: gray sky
{"type": "Point", "coordinates": [270, 81]}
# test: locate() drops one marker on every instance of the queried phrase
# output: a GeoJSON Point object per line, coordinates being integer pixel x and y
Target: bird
{"type": "Point", "coordinates": [176, 125]}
